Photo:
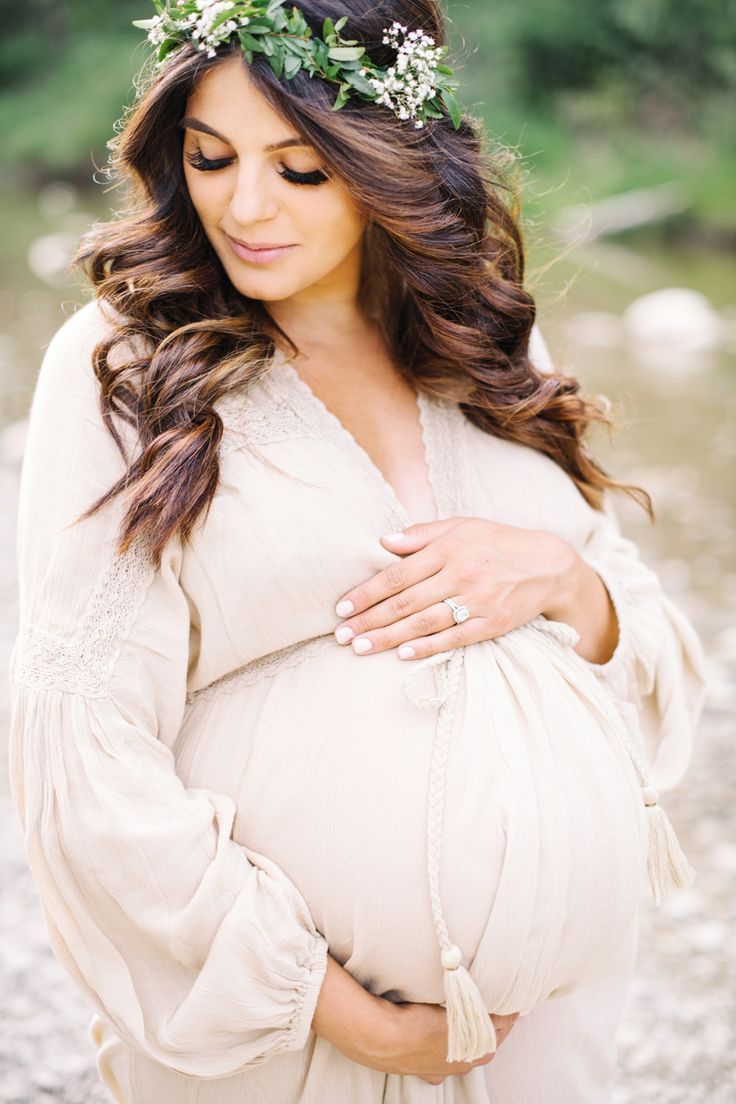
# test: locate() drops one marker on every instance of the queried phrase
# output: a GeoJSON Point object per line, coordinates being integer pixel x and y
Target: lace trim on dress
{"type": "Point", "coordinates": [84, 663]}
{"type": "Point", "coordinates": [264, 667]}
{"type": "Point", "coordinates": [260, 420]}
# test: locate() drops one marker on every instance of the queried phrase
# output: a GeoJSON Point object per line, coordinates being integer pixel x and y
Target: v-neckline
{"type": "Point", "coordinates": [442, 424]}
{"type": "Point", "coordinates": [395, 507]}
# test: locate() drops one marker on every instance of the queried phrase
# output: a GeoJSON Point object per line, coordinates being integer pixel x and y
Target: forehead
{"type": "Point", "coordinates": [228, 101]}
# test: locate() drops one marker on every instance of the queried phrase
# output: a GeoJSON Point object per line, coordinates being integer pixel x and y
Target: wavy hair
{"type": "Point", "coordinates": [442, 277]}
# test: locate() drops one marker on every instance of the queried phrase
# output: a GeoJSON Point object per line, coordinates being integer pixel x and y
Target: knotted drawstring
{"type": "Point", "coordinates": [470, 1029]}
{"type": "Point", "coordinates": [667, 865]}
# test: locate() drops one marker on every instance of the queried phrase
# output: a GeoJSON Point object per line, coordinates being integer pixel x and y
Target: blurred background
{"type": "Point", "coordinates": [623, 115]}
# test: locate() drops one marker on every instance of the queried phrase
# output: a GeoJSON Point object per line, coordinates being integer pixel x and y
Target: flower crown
{"type": "Point", "coordinates": [414, 87]}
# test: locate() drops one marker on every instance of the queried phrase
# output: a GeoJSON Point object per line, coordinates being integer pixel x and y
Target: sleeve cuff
{"type": "Point", "coordinates": [315, 965]}
{"type": "Point", "coordinates": [614, 670]}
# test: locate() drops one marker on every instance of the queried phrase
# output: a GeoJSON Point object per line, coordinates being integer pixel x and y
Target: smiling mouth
{"type": "Point", "coordinates": [260, 253]}
{"type": "Point", "coordinates": [257, 248]}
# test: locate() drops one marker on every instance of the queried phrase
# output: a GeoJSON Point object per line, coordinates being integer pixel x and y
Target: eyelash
{"type": "Point", "coordinates": [199, 161]}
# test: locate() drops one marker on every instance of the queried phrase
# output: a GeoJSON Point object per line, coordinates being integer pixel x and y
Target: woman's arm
{"type": "Point", "coordinates": [201, 953]}
{"type": "Point", "coordinates": [407, 1039]}
{"type": "Point", "coordinates": [582, 600]}
{"type": "Point", "coordinates": [656, 669]}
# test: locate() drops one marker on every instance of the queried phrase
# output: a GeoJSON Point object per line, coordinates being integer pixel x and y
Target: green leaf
{"type": "Point", "coordinates": [166, 47]}
{"type": "Point", "coordinates": [276, 61]}
{"type": "Point", "coordinates": [452, 106]}
{"type": "Point", "coordinates": [256, 27]}
{"type": "Point", "coordinates": [332, 70]}
{"type": "Point", "coordinates": [292, 65]}
{"type": "Point", "coordinates": [144, 24]}
{"type": "Point", "coordinates": [320, 54]}
{"type": "Point", "coordinates": [249, 42]}
{"type": "Point", "coordinates": [341, 22]}
{"type": "Point", "coordinates": [328, 28]}
{"type": "Point", "coordinates": [268, 46]}
{"type": "Point", "coordinates": [445, 69]}
{"type": "Point", "coordinates": [346, 53]}
{"type": "Point", "coordinates": [342, 97]}
{"type": "Point", "coordinates": [360, 84]}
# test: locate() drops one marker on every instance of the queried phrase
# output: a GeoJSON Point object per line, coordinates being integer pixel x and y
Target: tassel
{"type": "Point", "coordinates": [667, 865]}
{"type": "Point", "coordinates": [470, 1030]}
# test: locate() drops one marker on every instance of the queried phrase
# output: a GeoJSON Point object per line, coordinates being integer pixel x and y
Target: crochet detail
{"type": "Point", "coordinates": [259, 419]}
{"type": "Point", "coordinates": [83, 663]}
{"type": "Point", "coordinates": [264, 667]}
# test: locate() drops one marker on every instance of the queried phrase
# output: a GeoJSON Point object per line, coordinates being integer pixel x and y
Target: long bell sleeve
{"type": "Point", "coordinates": [658, 667]}
{"type": "Point", "coordinates": [657, 673]}
{"type": "Point", "coordinates": [198, 951]}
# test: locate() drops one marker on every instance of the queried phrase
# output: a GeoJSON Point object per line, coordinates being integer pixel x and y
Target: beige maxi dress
{"type": "Point", "coordinates": [215, 792]}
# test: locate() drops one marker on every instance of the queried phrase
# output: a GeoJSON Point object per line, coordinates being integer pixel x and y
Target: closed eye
{"type": "Point", "coordinates": [204, 164]}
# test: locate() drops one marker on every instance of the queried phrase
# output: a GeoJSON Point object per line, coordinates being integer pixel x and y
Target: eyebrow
{"type": "Point", "coordinates": [190, 123]}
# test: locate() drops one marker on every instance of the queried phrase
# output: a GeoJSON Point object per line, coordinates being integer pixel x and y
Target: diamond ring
{"type": "Point", "coordinates": [460, 613]}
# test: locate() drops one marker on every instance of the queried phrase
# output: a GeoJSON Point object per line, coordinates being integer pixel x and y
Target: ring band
{"type": "Point", "coordinates": [460, 613]}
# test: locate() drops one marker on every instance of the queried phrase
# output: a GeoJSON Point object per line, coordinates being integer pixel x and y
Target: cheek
{"type": "Point", "coordinates": [333, 226]}
{"type": "Point", "coordinates": [206, 193]}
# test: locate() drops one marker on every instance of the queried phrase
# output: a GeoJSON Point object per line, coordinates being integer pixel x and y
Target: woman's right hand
{"type": "Point", "coordinates": [416, 1042]}
{"type": "Point", "coordinates": [408, 1038]}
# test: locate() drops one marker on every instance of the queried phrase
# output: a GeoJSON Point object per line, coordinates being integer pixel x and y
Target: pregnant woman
{"type": "Point", "coordinates": [339, 699]}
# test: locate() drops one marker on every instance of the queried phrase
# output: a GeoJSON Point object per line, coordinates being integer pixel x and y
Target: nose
{"type": "Point", "coordinates": [253, 199]}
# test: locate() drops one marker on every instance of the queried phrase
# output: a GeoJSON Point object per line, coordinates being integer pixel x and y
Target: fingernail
{"type": "Point", "coordinates": [406, 651]}
{"type": "Point", "coordinates": [363, 645]}
{"type": "Point", "coordinates": [343, 634]}
{"type": "Point", "coordinates": [394, 536]}
{"type": "Point", "coordinates": [344, 608]}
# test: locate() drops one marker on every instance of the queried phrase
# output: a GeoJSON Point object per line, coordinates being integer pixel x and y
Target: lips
{"type": "Point", "coordinates": [261, 254]}
{"type": "Point", "coordinates": [259, 246]}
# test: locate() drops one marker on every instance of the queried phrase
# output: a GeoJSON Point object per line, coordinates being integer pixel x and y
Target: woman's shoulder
{"type": "Point", "coordinates": [89, 321]}
{"type": "Point", "coordinates": [67, 358]}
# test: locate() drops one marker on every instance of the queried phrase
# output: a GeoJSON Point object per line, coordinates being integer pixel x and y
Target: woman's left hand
{"type": "Point", "coordinates": [504, 575]}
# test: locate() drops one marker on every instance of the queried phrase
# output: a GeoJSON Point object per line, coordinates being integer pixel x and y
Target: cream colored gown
{"type": "Point", "coordinates": [215, 792]}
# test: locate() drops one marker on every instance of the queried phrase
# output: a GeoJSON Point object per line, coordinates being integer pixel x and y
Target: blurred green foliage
{"type": "Point", "coordinates": [606, 93]}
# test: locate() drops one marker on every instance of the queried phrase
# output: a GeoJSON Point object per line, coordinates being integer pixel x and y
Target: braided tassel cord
{"type": "Point", "coordinates": [667, 865]}
{"type": "Point", "coordinates": [470, 1030]}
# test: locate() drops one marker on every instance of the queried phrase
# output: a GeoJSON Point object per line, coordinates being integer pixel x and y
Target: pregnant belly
{"type": "Point", "coordinates": [328, 763]}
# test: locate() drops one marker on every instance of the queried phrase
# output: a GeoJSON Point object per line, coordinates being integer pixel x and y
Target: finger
{"type": "Point", "coordinates": [427, 622]}
{"type": "Point", "coordinates": [505, 1020]}
{"type": "Point", "coordinates": [416, 536]}
{"type": "Point", "coordinates": [445, 640]}
{"type": "Point", "coordinates": [398, 608]}
{"type": "Point", "coordinates": [397, 576]}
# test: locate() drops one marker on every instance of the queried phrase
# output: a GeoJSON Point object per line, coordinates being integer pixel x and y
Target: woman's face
{"type": "Point", "coordinates": [245, 188]}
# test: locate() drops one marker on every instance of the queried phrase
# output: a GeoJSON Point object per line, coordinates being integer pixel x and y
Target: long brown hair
{"type": "Point", "coordinates": [443, 278]}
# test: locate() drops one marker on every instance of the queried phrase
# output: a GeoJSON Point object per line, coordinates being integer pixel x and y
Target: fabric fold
{"type": "Point", "coordinates": [200, 954]}
{"type": "Point", "coordinates": [658, 671]}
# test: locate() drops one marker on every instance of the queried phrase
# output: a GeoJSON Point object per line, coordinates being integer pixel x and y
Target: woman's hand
{"type": "Point", "coordinates": [505, 575]}
{"type": "Point", "coordinates": [418, 1043]}
{"type": "Point", "coordinates": [392, 1038]}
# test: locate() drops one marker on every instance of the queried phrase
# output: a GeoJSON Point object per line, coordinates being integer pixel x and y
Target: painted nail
{"type": "Point", "coordinates": [406, 651]}
{"type": "Point", "coordinates": [343, 634]}
{"type": "Point", "coordinates": [344, 608]}
{"type": "Point", "coordinates": [394, 536]}
{"type": "Point", "coordinates": [363, 645]}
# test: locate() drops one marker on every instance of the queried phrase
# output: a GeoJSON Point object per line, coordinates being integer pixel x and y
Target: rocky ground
{"type": "Point", "coordinates": [677, 1041]}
